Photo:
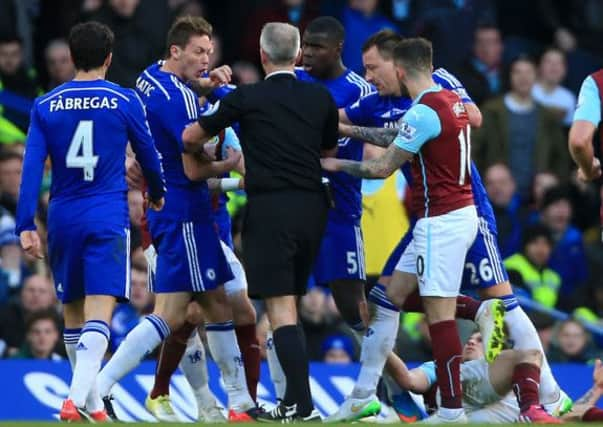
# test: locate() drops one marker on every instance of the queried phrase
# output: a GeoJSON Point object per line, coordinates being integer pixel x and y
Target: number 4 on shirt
{"type": "Point", "coordinates": [82, 139]}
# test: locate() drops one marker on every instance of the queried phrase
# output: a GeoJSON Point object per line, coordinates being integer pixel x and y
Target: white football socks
{"type": "Point", "coordinates": [194, 367]}
{"type": "Point", "coordinates": [140, 342]}
{"type": "Point", "coordinates": [89, 352]}
{"type": "Point", "coordinates": [222, 342]}
{"type": "Point", "coordinates": [277, 375]}
{"type": "Point", "coordinates": [525, 337]}
{"type": "Point", "coordinates": [377, 344]}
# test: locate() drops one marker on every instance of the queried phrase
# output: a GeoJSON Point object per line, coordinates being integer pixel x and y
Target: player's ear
{"type": "Point", "coordinates": [108, 60]}
{"type": "Point", "coordinates": [263, 57]}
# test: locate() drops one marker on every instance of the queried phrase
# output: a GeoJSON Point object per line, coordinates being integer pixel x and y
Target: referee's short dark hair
{"type": "Point", "coordinates": [385, 41]}
{"type": "Point", "coordinates": [329, 26]}
{"type": "Point", "coordinates": [90, 43]}
{"type": "Point", "coordinates": [415, 55]}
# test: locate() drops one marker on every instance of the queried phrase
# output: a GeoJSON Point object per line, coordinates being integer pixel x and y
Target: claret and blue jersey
{"type": "Point", "coordinates": [374, 110]}
{"type": "Point", "coordinates": [386, 111]}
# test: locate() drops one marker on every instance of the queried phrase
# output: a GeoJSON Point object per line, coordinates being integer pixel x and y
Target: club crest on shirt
{"type": "Point", "coordinates": [458, 108]}
{"type": "Point", "coordinates": [406, 131]}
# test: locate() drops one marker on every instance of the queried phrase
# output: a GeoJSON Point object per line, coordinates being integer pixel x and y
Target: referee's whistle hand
{"type": "Point", "coordinates": [31, 244]}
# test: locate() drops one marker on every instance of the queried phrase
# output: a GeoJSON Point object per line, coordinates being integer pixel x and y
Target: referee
{"type": "Point", "coordinates": [285, 127]}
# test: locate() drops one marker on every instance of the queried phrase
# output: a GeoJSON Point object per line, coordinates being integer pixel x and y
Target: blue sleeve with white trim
{"type": "Point", "coordinates": [142, 143]}
{"type": "Point", "coordinates": [448, 81]}
{"type": "Point", "coordinates": [419, 125]}
{"type": "Point", "coordinates": [359, 113]}
{"type": "Point", "coordinates": [36, 151]}
{"type": "Point", "coordinates": [589, 102]}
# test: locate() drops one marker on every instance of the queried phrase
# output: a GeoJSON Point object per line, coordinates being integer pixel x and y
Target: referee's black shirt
{"type": "Point", "coordinates": [284, 124]}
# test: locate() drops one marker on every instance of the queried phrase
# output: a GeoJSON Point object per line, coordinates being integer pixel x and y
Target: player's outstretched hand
{"type": "Point", "coordinates": [157, 205]}
{"type": "Point", "coordinates": [233, 157]}
{"type": "Point", "coordinates": [330, 164]}
{"type": "Point", "coordinates": [31, 244]}
{"type": "Point", "coordinates": [593, 173]}
{"type": "Point", "coordinates": [220, 76]}
{"type": "Point", "coordinates": [134, 176]}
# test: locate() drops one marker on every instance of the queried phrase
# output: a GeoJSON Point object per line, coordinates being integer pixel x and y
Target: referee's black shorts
{"type": "Point", "coordinates": [282, 232]}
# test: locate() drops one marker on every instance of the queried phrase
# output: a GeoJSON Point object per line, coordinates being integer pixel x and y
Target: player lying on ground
{"type": "Point", "coordinates": [504, 391]}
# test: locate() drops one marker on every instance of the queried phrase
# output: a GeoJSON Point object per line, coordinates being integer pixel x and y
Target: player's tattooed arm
{"type": "Point", "coordinates": [382, 137]}
{"type": "Point", "coordinates": [380, 167]}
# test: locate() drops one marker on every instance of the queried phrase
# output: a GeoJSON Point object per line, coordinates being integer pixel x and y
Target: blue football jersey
{"type": "Point", "coordinates": [85, 126]}
{"type": "Point", "coordinates": [170, 107]}
{"type": "Point", "coordinates": [345, 90]}
{"type": "Point", "coordinates": [385, 111]}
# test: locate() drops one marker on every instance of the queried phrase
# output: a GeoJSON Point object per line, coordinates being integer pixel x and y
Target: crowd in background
{"type": "Point", "coordinates": [521, 61]}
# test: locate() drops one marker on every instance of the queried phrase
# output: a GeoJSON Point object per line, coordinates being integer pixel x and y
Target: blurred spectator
{"type": "Point", "coordinates": [545, 325]}
{"type": "Point", "coordinates": [37, 294]}
{"type": "Point", "coordinates": [361, 19]}
{"type": "Point", "coordinates": [59, 65]}
{"type": "Point", "coordinates": [571, 343]}
{"type": "Point", "coordinates": [481, 74]}
{"type": "Point", "coordinates": [568, 257]}
{"type": "Point", "coordinates": [450, 25]}
{"type": "Point", "coordinates": [11, 164]}
{"type": "Point", "coordinates": [414, 341]}
{"type": "Point", "coordinates": [12, 268]}
{"type": "Point", "coordinates": [318, 319]}
{"type": "Point", "coordinates": [18, 79]}
{"type": "Point", "coordinates": [41, 336]}
{"type": "Point", "coordinates": [528, 269]}
{"type": "Point", "coordinates": [295, 12]}
{"type": "Point", "coordinates": [185, 8]}
{"type": "Point", "coordinates": [139, 36]}
{"type": "Point", "coordinates": [244, 73]}
{"type": "Point", "coordinates": [338, 349]}
{"type": "Point", "coordinates": [520, 132]}
{"type": "Point", "coordinates": [127, 315]}
{"type": "Point", "coordinates": [548, 90]}
{"type": "Point", "coordinates": [543, 182]}
{"type": "Point", "coordinates": [215, 60]}
{"type": "Point", "coordinates": [509, 212]}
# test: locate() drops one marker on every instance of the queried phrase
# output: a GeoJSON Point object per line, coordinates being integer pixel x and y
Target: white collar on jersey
{"type": "Point", "coordinates": [274, 73]}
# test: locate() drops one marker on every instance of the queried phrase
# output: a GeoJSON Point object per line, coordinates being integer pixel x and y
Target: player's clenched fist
{"type": "Point", "coordinates": [31, 244]}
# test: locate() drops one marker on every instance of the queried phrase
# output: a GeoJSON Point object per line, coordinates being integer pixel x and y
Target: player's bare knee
{"type": "Point", "coordinates": [215, 305]}
{"type": "Point", "coordinates": [243, 315]}
{"type": "Point", "coordinates": [532, 356]}
{"type": "Point", "coordinates": [396, 295]}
